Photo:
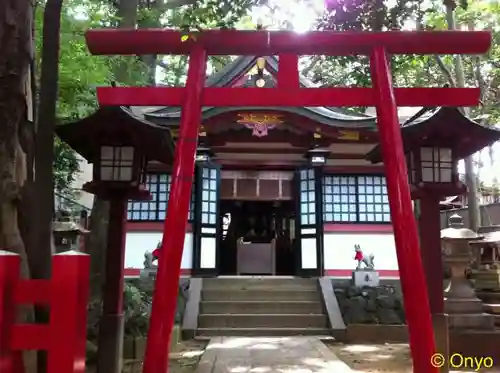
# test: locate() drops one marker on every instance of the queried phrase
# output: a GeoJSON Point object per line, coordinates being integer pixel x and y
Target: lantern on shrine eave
{"type": "Point", "coordinates": [433, 144]}
{"type": "Point", "coordinates": [119, 144]}
{"type": "Point", "coordinates": [317, 157]}
{"type": "Point", "coordinates": [203, 154]}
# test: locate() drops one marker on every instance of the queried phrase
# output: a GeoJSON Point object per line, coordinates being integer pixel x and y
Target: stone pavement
{"type": "Point", "coordinates": [269, 355]}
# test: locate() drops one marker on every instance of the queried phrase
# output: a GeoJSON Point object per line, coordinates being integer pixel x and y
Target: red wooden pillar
{"type": "Point", "coordinates": [288, 71]}
{"type": "Point", "coordinates": [110, 339]}
{"type": "Point", "coordinates": [413, 283]}
{"type": "Point", "coordinates": [430, 246]}
{"type": "Point", "coordinates": [9, 276]}
{"type": "Point", "coordinates": [69, 289]}
{"type": "Point", "coordinates": [174, 232]}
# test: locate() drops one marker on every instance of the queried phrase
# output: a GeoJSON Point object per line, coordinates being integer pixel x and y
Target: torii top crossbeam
{"type": "Point", "coordinates": [233, 42]}
{"type": "Point", "coordinates": [330, 43]}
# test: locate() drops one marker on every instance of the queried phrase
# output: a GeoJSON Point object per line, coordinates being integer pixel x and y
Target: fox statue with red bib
{"type": "Point", "coordinates": [366, 261]}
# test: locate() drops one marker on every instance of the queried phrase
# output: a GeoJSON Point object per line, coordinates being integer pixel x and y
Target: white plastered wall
{"type": "Point", "coordinates": [339, 251]}
{"type": "Point", "coordinates": [139, 242]}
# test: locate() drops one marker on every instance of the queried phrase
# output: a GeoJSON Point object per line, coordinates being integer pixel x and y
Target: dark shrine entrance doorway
{"type": "Point", "coordinates": [257, 238]}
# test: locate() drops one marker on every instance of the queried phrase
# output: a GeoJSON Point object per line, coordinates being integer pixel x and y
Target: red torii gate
{"type": "Point", "coordinates": [288, 46]}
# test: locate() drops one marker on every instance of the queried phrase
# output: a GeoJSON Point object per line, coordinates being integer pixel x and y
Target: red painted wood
{"type": "Point", "coordinates": [357, 228]}
{"type": "Point", "coordinates": [225, 123]}
{"type": "Point", "coordinates": [348, 272]}
{"type": "Point", "coordinates": [235, 42]}
{"type": "Point", "coordinates": [139, 226]}
{"type": "Point", "coordinates": [33, 292]}
{"type": "Point", "coordinates": [9, 278]}
{"type": "Point", "coordinates": [30, 337]}
{"type": "Point", "coordinates": [64, 337]}
{"type": "Point", "coordinates": [430, 246]}
{"type": "Point", "coordinates": [282, 166]}
{"type": "Point", "coordinates": [135, 272]}
{"type": "Point", "coordinates": [112, 318]}
{"type": "Point", "coordinates": [288, 71]}
{"type": "Point", "coordinates": [265, 97]}
{"type": "Point", "coordinates": [174, 233]}
{"type": "Point", "coordinates": [115, 257]}
{"type": "Point", "coordinates": [68, 313]}
{"type": "Point", "coordinates": [413, 283]}
{"type": "Point", "coordinates": [269, 152]}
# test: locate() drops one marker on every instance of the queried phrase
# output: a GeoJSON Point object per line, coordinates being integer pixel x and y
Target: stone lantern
{"type": "Point", "coordinates": [464, 308]}
{"type": "Point", "coordinates": [486, 271]}
{"type": "Point", "coordinates": [66, 234]}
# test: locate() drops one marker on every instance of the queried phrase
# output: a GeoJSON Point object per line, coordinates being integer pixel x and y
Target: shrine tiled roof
{"type": "Point", "coordinates": [238, 68]}
{"type": "Point", "coordinates": [445, 127]}
{"type": "Point", "coordinates": [119, 121]}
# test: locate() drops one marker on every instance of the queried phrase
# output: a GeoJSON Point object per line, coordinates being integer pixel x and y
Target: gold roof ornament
{"type": "Point", "coordinates": [348, 135]}
{"type": "Point", "coordinates": [260, 123]}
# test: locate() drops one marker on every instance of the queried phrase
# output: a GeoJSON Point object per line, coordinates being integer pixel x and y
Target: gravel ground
{"type": "Point", "coordinates": [386, 358]}
{"type": "Point", "coordinates": [184, 359]}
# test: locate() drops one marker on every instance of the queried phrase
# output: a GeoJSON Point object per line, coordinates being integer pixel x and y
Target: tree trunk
{"type": "Point", "coordinates": [470, 176]}
{"type": "Point", "coordinates": [15, 44]}
{"type": "Point", "coordinates": [40, 260]}
{"type": "Point", "coordinates": [44, 153]}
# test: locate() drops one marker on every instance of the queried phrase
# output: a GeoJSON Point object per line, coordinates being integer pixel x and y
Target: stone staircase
{"type": "Point", "coordinates": [261, 306]}
{"type": "Point", "coordinates": [491, 304]}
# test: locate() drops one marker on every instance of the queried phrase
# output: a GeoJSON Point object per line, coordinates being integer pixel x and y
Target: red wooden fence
{"type": "Point", "coordinates": [66, 295]}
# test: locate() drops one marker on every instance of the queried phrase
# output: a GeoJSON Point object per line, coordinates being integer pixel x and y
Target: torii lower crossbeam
{"type": "Point", "coordinates": [288, 46]}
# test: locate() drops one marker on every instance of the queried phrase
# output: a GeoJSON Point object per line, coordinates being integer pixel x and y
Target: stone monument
{"type": "Point", "coordinates": [463, 307]}
{"type": "Point", "coordinates": [364, 274]}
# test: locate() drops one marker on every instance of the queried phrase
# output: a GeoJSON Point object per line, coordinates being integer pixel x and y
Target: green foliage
{"type": "Point", "coordinates": [362, 15]}
{"type": "Point", "coordinates": [66, 166]}
{"type": "Point", "coordinates": [483, 71]}
{"type": "Point", "coordinates": [136, 308]}
{"type": "Point", "coordinates": [79, 72]}
{"type": "Point", "coordinates": [211, 14]}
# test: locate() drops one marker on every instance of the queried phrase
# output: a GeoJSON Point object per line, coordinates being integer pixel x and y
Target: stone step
{"type": "Point", "coordinates": [453, 306]}
{"type": "Point", "coordinates": [488, 296]}
{"type": "Point", "coordinates": [262, 321]}
{"type": "Point", "coordinates": [262, 332]}
{"type": "Point", "coordinates": [492, 308]}
{"type": "Point", "coordinates": [471, 321]}
{"type": "Point", "coordinates": [261, 307]}
{"type": "Point", "coordinates": [260, 295]}
{"type": "Point", "coordinates": [260, 283]}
